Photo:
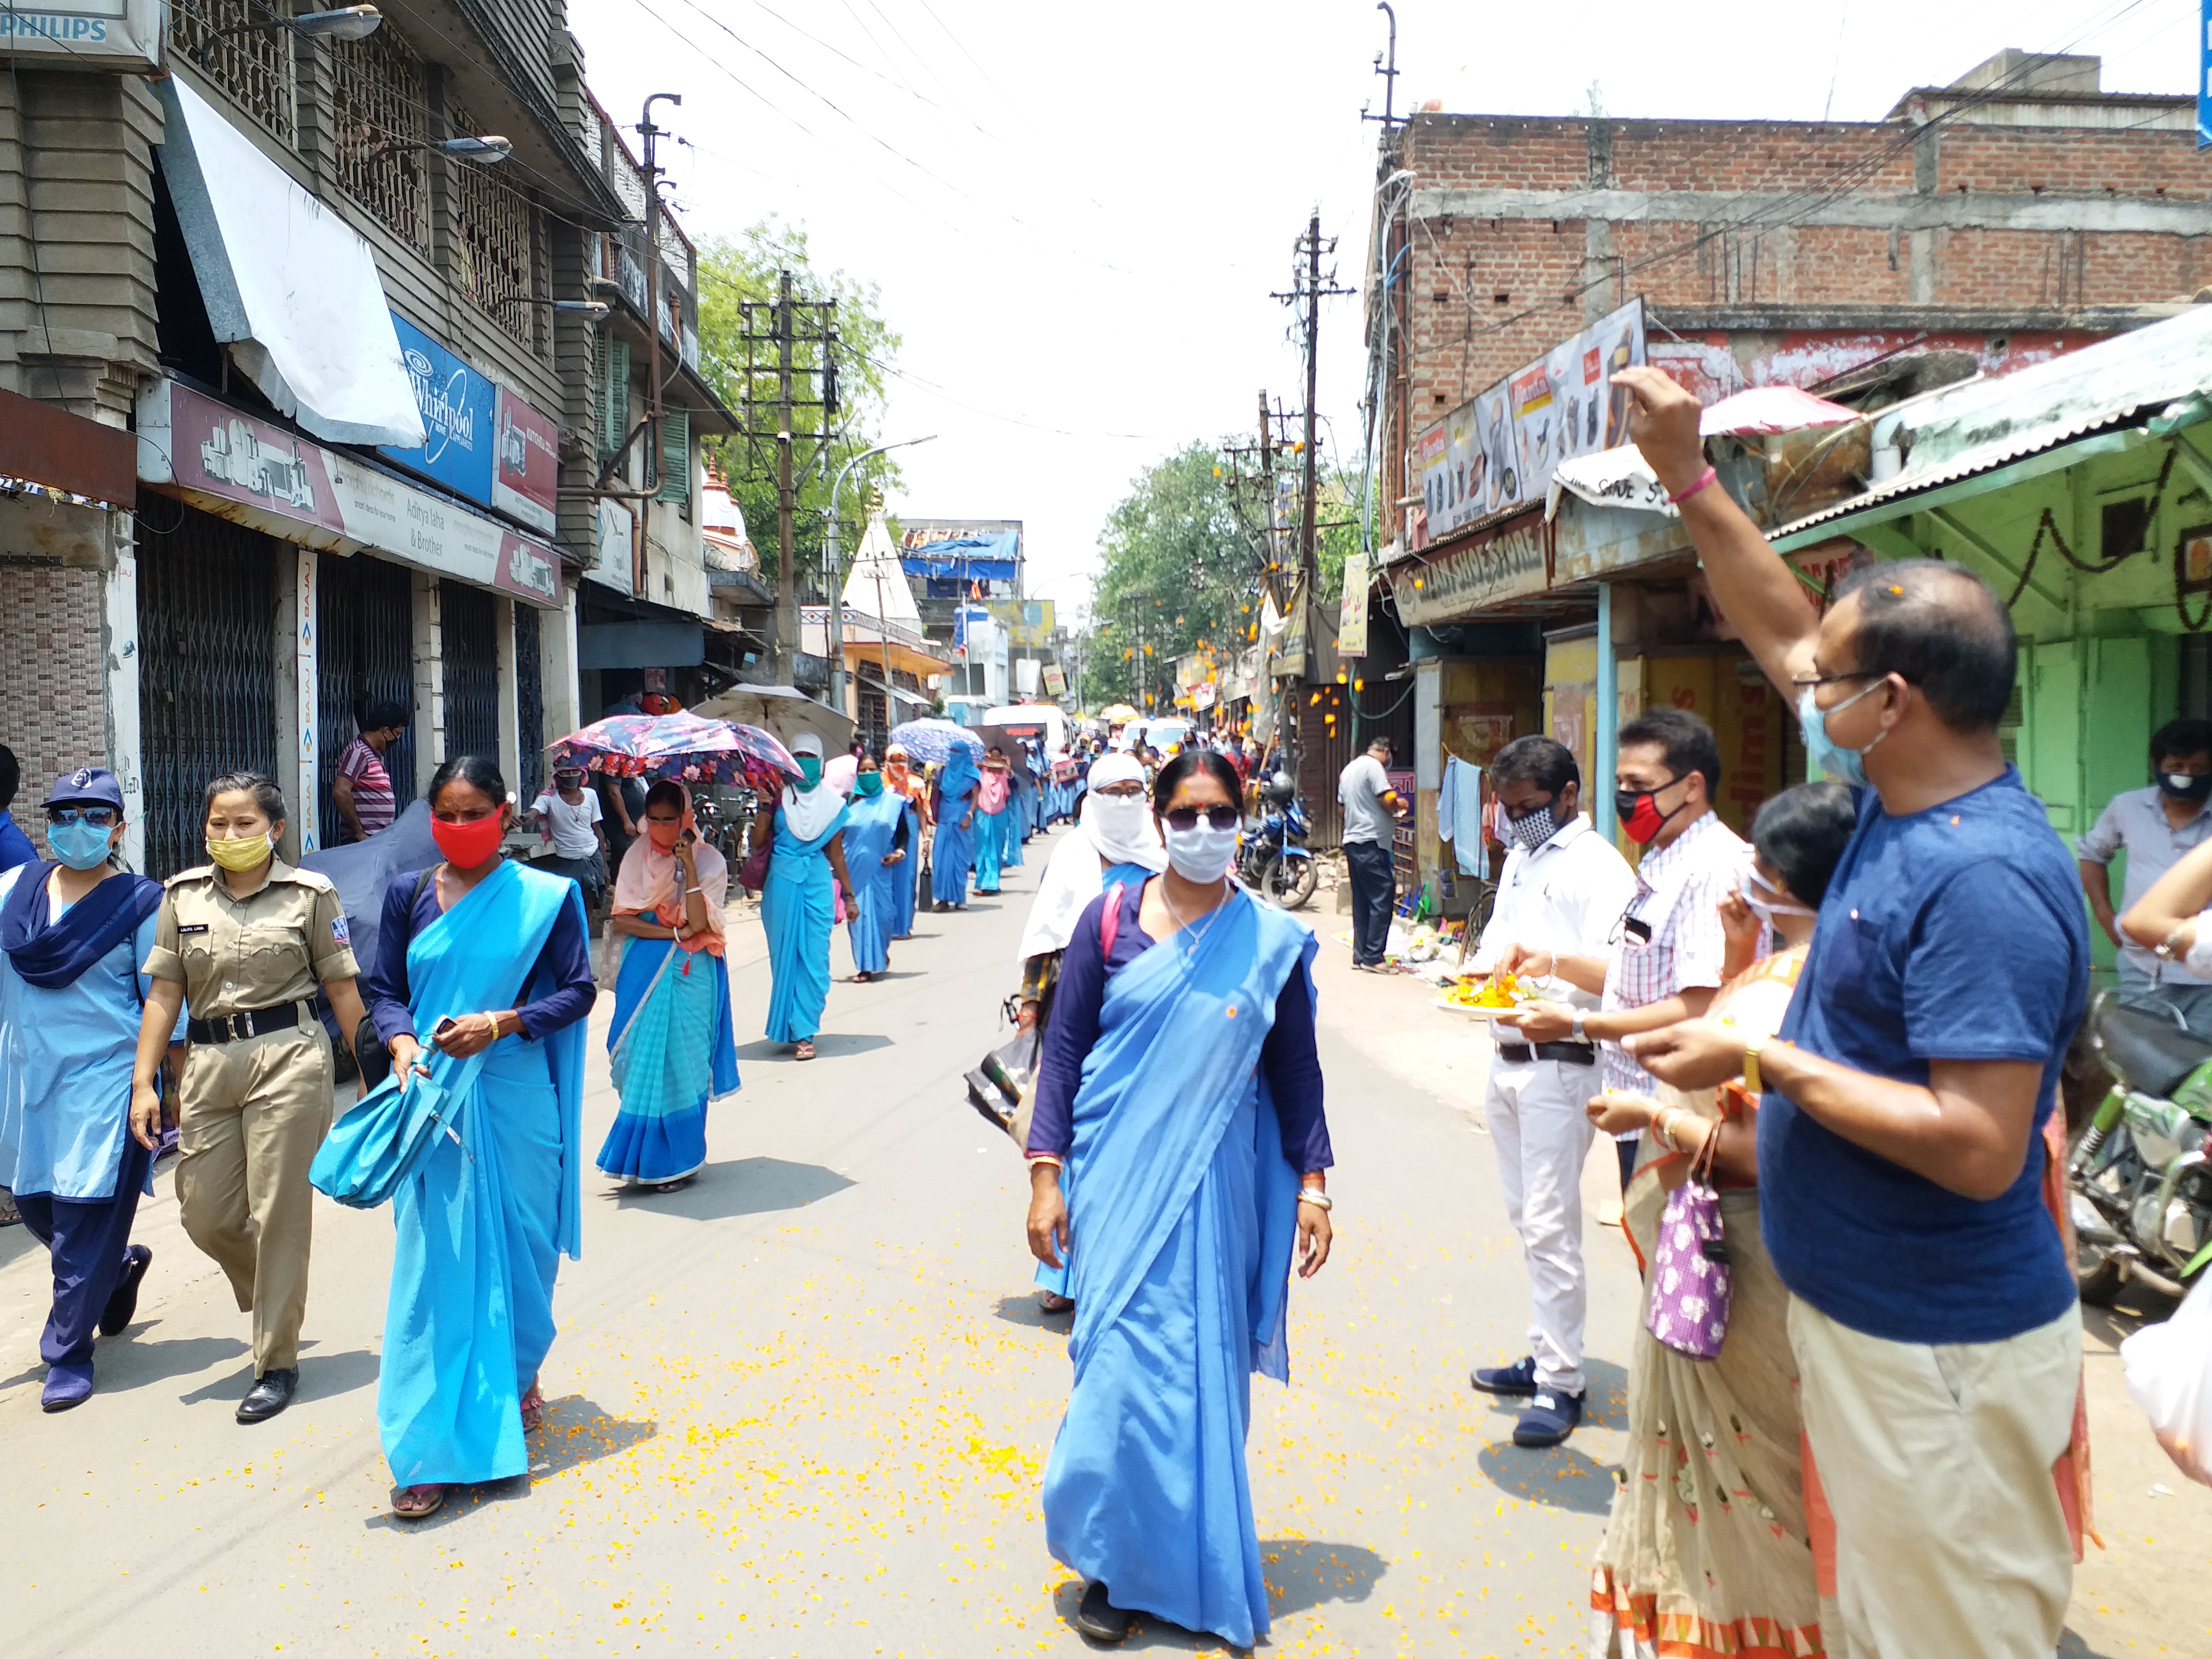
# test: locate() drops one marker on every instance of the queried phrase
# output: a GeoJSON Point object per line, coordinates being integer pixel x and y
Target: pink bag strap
{"type": "Point", "coordinates": [1109, 922]}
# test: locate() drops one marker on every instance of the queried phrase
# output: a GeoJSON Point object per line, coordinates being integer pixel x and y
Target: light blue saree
{"type": "Point", "coordinates": [991, 846]}
{"type": "Point", "coordinates": [1184, 1211]}
{"type": "Point", "coordinates": [907, 878]}
{"type": "Point", "coordinates": [482, 1222]}
{"type": "Point", "coordinates": [870, 826]}
{"type": "Point", "coordinates": [798, 910]}
{"type": "Point", "coordinates": [953, 853]}
{"type": "Point", "coordinates": [673, 1052]}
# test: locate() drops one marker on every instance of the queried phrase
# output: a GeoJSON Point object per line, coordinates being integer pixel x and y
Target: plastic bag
{"type": "Point", "coordinates": [2169, 1374]}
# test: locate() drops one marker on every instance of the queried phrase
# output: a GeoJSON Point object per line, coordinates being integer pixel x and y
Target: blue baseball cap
{"type": "Point", "coordinates": [88, 786]}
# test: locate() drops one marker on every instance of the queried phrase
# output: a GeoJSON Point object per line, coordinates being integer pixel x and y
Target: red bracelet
{"type": "Point", "coordinates": [1704, 480]}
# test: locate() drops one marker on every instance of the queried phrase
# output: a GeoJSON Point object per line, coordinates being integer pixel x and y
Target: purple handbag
{"type": "Point", "coordinates": [1691, 1282]}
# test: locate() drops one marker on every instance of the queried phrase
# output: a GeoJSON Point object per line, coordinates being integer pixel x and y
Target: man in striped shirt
{"type": "Point", "coordinates": [362, 790]}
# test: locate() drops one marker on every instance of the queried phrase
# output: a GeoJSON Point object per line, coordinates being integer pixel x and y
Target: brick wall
{"type": "Point", "coordinates": [53, 718]}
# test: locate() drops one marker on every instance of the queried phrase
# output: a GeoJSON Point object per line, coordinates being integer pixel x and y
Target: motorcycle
{"type": "Point", "coordinates": [2139, 1187]}
{"type": "Point", "coordinates": [1272, 860]}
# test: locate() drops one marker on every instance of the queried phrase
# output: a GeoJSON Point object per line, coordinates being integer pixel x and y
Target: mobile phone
{"type": "Point", "coordinates": [445, 1028]}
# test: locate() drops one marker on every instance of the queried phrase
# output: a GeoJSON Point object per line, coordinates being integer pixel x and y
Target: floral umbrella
{"type": "Point", "coordinates": [931, 741]}
{"type": "Point", "coordinates": [682, 746]}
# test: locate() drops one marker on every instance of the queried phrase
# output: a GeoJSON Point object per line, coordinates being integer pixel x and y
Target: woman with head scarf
{"type": "Point", "coordinates": [673, 1048]}
{"type": "Point", "coordinates": [798, 906]}
{"type": "Point", "coordinates": [72, 935]}
{"type": "Point", "coordinates": [952, 803]}
{"type": "Point", "coordinates": [875, 840]}
{"type": "Point", "coordinates": [995, 820]}
{"type": "Point", "coordinates": [899, 780]}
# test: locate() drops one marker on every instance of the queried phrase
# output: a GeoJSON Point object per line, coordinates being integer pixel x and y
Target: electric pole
{"type": "Point", "coordinates": [778, 381]}
{"type": "Point", "coordinates": [655, 457]}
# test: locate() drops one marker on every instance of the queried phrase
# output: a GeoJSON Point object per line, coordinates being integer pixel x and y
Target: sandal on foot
{"type": "Point", "coordinates": [417, 1503]}
{"type": "Point", "coordinates": [1051, 1301]}
{"type": "Point", "coordinates": [533, 1410]}
{"type": "Point", "coordinates": [803, 1049]}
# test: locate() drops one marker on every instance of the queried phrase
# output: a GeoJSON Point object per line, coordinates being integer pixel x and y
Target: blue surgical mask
{"type": "Point", "coordinates": [1844, 765]}
{"type": "Point", "coordinates": [80, 846]}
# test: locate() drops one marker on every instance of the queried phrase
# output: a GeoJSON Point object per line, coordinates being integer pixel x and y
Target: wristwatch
{"type": "Point", "coordinates": [1576, 1028]}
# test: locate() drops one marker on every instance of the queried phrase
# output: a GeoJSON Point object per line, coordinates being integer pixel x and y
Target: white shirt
{"type": "Point", "coordinates": [1677, 893]}
{"type": "Point", "coordinates": [2135, 820]}
{"type": "Point", "coordinates": [571, 825]}
{"type": "Point", "coordinates": [1565, 897]}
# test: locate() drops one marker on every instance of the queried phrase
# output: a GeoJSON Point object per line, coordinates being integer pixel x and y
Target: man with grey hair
{"type": "Point", "coordinates": [1903, 1102]}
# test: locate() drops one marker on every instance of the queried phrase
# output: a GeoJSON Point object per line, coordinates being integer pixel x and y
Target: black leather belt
{"type": "Point", "coordinates": [1575, 1054]}
{"type": "Point", "coordinates": [245, 1022]}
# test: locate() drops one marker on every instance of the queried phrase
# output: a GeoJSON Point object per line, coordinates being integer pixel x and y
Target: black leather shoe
{"type": "Point", "coordinates": [272, 1392]}
{"type": "Point", "coordinates": [1099, 1619]}
{"type": "Point", "coordinates": [122, 1301]}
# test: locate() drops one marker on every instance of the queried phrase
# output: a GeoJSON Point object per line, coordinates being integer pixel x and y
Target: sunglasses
{"type": "Point", "coordinates": [99, 817]}
{"type": "Point", "coordinates": [1217, 817]}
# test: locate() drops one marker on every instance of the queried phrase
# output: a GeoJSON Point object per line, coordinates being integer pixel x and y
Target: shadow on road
{"type": "Point", "coordinates": [1302, 1574]}
{"type": "Point", "coordinates": [576, 1432]}
{"type": "Point", "coordinates": [748, 1186]}
{"type": "Point", "coordinates": [1023, 1309]}
{"type": "Point", "coordinates": [2071, 1646]}
{"type": "Point", "coordinates": [828, 1045]}
{"type": "Point", "coordinates": [1559, 1477]}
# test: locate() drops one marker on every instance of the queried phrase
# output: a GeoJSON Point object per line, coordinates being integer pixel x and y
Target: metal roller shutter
{"type": "Point", "coordinates": [364, 653]}
{"type": "Point", "coordinates": [529, 701]}
{"type": "Point", "coordinates": [469, 636]}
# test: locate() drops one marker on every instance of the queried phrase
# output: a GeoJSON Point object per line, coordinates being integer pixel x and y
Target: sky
{"type": "Point", "coordinates": [1077, 215]}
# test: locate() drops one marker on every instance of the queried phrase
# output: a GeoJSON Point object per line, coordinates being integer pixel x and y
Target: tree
{"type": "Point", "coordinates": [1178, 575]}
{"type": "Point", "coordinates": [747, 268]}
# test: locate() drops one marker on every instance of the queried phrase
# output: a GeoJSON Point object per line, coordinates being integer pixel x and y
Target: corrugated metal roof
{"type": "Point", "coordinates": [1980, 425]}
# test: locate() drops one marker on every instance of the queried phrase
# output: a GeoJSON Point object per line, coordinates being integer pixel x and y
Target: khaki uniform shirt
{"type": "Point", "coordinates": [274, 945]}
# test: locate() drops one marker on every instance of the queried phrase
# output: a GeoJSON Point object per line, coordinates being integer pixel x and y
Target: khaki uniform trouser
{"type": "Point", "coordinates": [1936, 1464]}
{"type": "Point", "coordinates": [254, 1114]}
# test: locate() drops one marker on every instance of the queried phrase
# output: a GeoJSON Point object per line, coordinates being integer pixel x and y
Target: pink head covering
{"type": "Point", "coordinates": [647, 883]}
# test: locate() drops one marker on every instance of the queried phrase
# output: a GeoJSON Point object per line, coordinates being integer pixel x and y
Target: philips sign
{"type": "Point", "coordinates": [123, 35]}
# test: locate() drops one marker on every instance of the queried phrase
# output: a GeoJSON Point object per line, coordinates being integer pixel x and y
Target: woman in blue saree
{"type": "Point", "coordinates": [994, 821]}
{"type": "Point", "coordinates": [798, 906]}
{"type": "Point", "coordinates": [875, 840]}
{"type": "Point", "coordinates": [1178, 1134]}
{"type": "Point", "coordinates": [953, 853]}
{"type": "Point", "coordinates": [673, 1048]}
{"type": "Point", "coordinates": [899, 780]}
{"type": "Point", "coordinates": [490, 961]}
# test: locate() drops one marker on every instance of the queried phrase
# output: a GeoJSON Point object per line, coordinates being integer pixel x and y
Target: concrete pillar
{"type": "Point", "coordinates": [300, 817]}
{"type": "Point", "coordinates": [1606, 751]}
{"type": "Point", "coordinates": [559, 681]}
{"type": "Point", "coordinates": [305, 786]}
{"type": "Point", "coordinates": [429, 683]}
{"type": "Point", "coordinates": [510, 713]}
{"type": "Point", "coordinates": [120, 685]}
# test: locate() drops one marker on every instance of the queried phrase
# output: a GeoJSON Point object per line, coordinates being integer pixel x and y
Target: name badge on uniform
{"type": "Point", "coordinates": [192, 927]}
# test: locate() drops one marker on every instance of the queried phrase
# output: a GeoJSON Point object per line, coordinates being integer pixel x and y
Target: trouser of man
{"type": "Point", "coordinates": [89, 1242]}
{"type": "Point", "coordinates": [1367, 863]}
{"type": "Point", "coordinates": [1535, 1113]}
{"type": "Point", "coordinates": [254, 1113]}
{"type": "Point", "coordinates": [1936, 1464]}
{"type": "Point", "coordinates": [2193, 1002]}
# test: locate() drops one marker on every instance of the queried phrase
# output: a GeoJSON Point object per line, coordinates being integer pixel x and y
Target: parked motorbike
{"type": "Point", "coordinates": [2139, 1186]}
{"type": "Point", "coordinates": [1272, 860]}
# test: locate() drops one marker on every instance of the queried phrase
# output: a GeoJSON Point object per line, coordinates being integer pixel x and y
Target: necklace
{"type": "Point", "coordinates": [1183, 926]}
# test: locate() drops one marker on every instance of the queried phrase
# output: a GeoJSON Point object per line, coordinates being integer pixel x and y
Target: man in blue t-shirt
{"type": "Point", "coordinates": [1900, 1155]}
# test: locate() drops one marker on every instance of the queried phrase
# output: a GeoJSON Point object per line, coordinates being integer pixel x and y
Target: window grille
{"type": "Point", "coordinates": [468, 622]}
{"type": "Point", "coordinates": [253, 65]}
{"type": "Point", "coordinates": [377, 98]}
{"type": "Point", "coordinates": [492, 243]}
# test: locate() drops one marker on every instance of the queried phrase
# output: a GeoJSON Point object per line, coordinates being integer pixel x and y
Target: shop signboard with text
{"type": "Point", "coordinates": [483, 441]}
{"type": "Point", "coordinates": [1498, 450]}
{"type": "Point", "coordinates": [124, 35]}
{"type": "Point", "coordinates": [256, 473]}
{"type": "Point", "coordinates": [1506, 562]}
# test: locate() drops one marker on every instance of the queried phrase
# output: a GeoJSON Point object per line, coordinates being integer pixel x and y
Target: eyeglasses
{"type": "Point", "coordinates": [1217, 817]}
{"type": "Point", "coordinates": [99, 817]}
{"type": "Point", "coordinates": [1131, 790]}
{"type": "Point", "coordinates": [1838, 679]}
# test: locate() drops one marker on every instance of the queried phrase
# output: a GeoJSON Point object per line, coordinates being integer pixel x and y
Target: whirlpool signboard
{"type": "Point", "coordinates": [482, 441]}
{"type": "Point", "coordinates": [124, 35]}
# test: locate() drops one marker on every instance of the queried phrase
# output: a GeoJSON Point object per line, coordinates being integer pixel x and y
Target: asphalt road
{"type": "Point", "coordinates": [803, 1406]}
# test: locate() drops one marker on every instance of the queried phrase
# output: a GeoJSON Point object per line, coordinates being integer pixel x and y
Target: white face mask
{"type": "Point", "coordinates": [1121, 819]}
{"type": "Point", "coordinates": [1201, 853]}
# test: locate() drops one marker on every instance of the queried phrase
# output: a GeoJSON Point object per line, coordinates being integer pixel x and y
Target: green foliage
{"type": "Point", "coordinates": [733, 270]}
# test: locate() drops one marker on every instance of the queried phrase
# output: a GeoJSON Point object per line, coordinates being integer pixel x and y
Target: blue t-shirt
{"type": "Point", "coordinates": [15, 847]}
{"type": "Point", "coordinates": [1955, 933]}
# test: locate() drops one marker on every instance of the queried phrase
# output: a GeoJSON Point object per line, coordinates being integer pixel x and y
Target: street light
{"type": "Point", "coordinates": [341, 23]}
{"type": "Point", "coordinates": [836, 637]}
{"type": "Point", "coordinates": [487, 150]}
{"type": "Point", "coordinates": [596, 310]}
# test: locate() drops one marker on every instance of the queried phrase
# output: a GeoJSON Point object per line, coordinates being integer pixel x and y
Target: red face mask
{"type": "Point", "coordinates": [468, 845]}
{"type": "Point", "coordinates": [665, 836]}
{"type": "Point", "coordinates": [1639, 814]}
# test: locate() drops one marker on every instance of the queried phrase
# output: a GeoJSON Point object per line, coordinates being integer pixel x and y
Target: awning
{"type": "Point", "coordinates": [290, 288]}
{"type": "Point", "coordinates": [871, 653]}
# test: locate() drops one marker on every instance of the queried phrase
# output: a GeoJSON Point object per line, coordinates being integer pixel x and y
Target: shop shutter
{"type": "Point", "coordinates": [674, 473]}
{"type": "Point", "coordinates": [530, 699]}
{"type": "Point", "coordinates": [208, 635]}
{"type": "Point", "coordinates": [468, 633]}
{"type": "Point", "coordinates": [364, 653]}
{"type": "Point", "coordinates": [613, 392]}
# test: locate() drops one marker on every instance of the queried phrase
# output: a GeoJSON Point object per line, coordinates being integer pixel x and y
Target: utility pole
{"type": "Point", "coordinates": [655, 457]}
{"type": "Point", "coordinates": [786, 582]}
{"type": "Point", "coordinates": [777, 384]}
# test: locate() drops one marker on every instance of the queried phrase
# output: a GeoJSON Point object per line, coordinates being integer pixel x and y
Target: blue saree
{"type": "Point", "coordinates": [798, 910]}
{"type": "Point", "coordinates": [990, 846]}
{"type": "Point", "coordinates": [871, 825]}
{"type": "Point", "coordinates": [905, 877]}
{"type": "Point", "coordinates": [482, 1223]}
{"type": "Point", "coordinates": [674, 1052]}
{"type": "Point", "coordinates": [953, 853]}
{"type": "Point", "coordinates": [1184, 1212]}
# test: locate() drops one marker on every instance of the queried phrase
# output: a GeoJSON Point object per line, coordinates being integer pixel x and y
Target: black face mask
{"type": "Point", "coordinates": [2182, 786]}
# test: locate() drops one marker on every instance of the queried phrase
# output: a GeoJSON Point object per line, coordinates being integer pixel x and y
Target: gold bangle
{"type": "Point", "coordinates": [1751, 1078]}
{"type": "Point", "coordinates": [491, 1025]}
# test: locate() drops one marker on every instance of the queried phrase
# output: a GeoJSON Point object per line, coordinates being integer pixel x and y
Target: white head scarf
{"type": "Point", "coordinates": [809, 811]}
{"type": "Point", "coordinates": [1075, 874]}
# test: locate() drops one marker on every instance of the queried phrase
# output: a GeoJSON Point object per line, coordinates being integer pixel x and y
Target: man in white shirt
{"type": "Point", "coordinates": [569, 816]}
{"type": "Point", "coordinates": [1560, 894]}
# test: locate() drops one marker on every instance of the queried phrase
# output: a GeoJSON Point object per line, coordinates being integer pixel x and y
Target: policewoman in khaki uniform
{"type": "Point", "coordinates": [244, 941]}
